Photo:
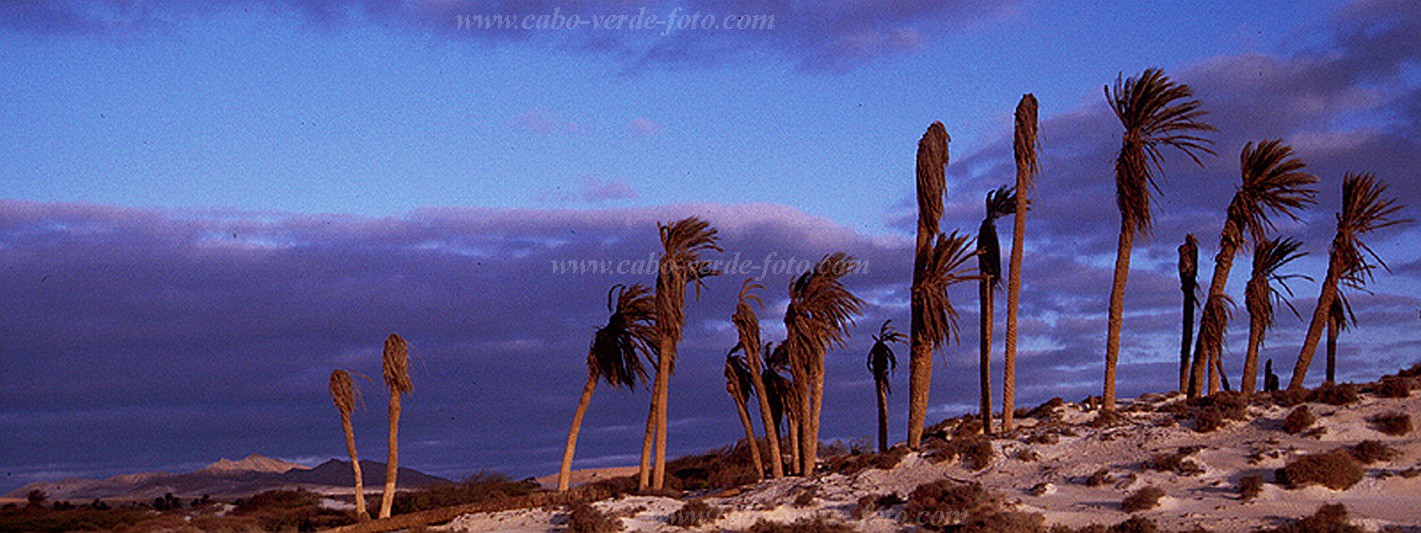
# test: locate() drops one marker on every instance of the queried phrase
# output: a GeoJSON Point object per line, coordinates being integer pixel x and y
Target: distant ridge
{"type": "Point", "coordinates": [252, 463]}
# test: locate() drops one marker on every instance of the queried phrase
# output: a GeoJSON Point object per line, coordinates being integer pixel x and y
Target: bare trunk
{"type": "Point", "coordinates": [1219, 370]}
{"type": "Point", "coordinates": [817, 408]}
{"type": "Point", "coordinates": [772, 438]}
{"type": "Point", "coordinates": [1018, 238]}
{"type": "Point", "coordinates": [360, 512]}
{"type": "Point", "coordinates": [920, 376]}
{"type": "Point", "coordinates": [882, 417]}
{"type": "Point", "coordinates": [792, 427]}
{"type": "Point", "coordinates": [663, 379]}
{"type": "Point", "coordinates": [1207, 348]}
{"type": "Point", "coordinates": [984, 298]}
{"type": "Point", "coordinates": [565, 474]}
{"type": "Point", "coordinates": [750, 440]}
{"type": "Point", "coordinates": [1117, 308]}
{"type": "Point", "coordinates": [644, 474]}
{"type": "Point", "coordinates": [1332, 351]}
{"type": "Point", "coordinates": [1190, 301]}
{"type": "Point", "coordinates": [808, 444]}
{"type": "Point", "coordinates": [1319, 321]}
{"type": "Point", "coordinates": [1250, 358]}
{"type": "Point", "coordinates": [392, 461]}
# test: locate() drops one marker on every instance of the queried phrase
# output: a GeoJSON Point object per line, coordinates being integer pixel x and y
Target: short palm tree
{"type": "Point", "coordinates": [738, 384]}
{"type": "Point", "coordinates": [1027, 165]}
{"type": "Point", "coordinates": [934, 317]}
{"type": "Point", "coordinates": [1364, 210]}
{"type": "Point", "coordinates": [1189, 285]}
{"type": "Point", "coordinates": [614, 356]}
{"type": "Point", "coordinates": [1339, 319]}
{"type": "Point", "coordinates": [1273, 182]}
{"type": "Point", "coordinates": [395, 365]}
{"type": "Point", "coordinates": [344, 394]}
{"type": "Point", "coordinates": [881, 362]}
{"type": "Point", "coordinates": [820, 311]}
{"type": "Point", "coordinates": [747, 327]}
{"type": "Point", "coordinates": [932, 186]}
{"type": "Point", "coordinates": [1000, 202]}
{"type": "Point", "coordinates": [784, 399]}
{"type": "Point", "coordinates": [1268, 257]}
{"type": "Point", "coordinates": [1156, 113]}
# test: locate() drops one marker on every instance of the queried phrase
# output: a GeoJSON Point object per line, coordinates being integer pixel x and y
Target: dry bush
{"type": "Point", "coordinates": [1300, 419]}
{"type": "Point", "coordinates": [1028, 455]}
{"type": "Point", "coordinates": [1209, 412]}
{"type": "Point", "coordinates": [1004, 522]}
{"type": "Point", "coordinates": [975, 451]}
{"type": "Point", "coordinates": [1290, 397]}
{"type": "Point", "coordinates": [1105, 419]}
{"type": "Point", "coordinates": [721, 468]}
{"type": "Point", "coordinates": [944, 504]}
{"type": "Point", "coordinates": [806, 496]}
{"type": "Point", "coordinates": [1372, 451]}
{"type": "Point", "coordinates": [480, 487]}
{"type": "Point", "coordinates": [1394, 387]}
{"type": "Point", "coordinates": [1250, 486]}
{"type": "Point", "coordinates": [1413, 372]}
{"type": "Point", "coordinates": [853, 463]}
{"type": "Point", "coordinates": [1098, 478]}
{"type": "Point", "coordinates": [1135, 524]}
{"type": "Point", "coordinates": [1043, 438]}
{"type": "Point", "coordinates": [1047, 411]}
{"type": "Point", "coordinates": [819, 523]}
{"type": "Point", "coordinates": [1392, 423]}
{"type": "Point", "coordinates": [1328, 393]}
{"type": "Point", "coordinates": [1330, 518]}
{"type": "Point", "coordinates": [695, 513]}
{"type": "Point", "coordinates": [970, 425]}
{"type": "Point", "coordinates": [872, 503]}
{"type": "Point", "coordinates": [1175, 462]}
{"type": "Point", "coordinates": [582, 517]}
{"type": "Point", "coordinates": [1336, 470]}
{"type": "Point", "coordinates": [1141, 500]}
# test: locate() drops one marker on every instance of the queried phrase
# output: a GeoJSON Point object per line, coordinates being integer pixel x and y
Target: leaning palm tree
{"type": "Point", "coordinates": [933, 314]}
{"type": "Point", "coordinates": [1273, 182]}
{"type": "Point", "coordinates": [1156, 113]}
{"type": "Point", "coordinates": [682, 243]}
{"type": "Point", "coordinates": [1027, 165]}
{"type": "Point", "coordinates": [1189, 285]}
{"type": "Point", "coordinates": [817, 319]}
{"type": "Point", "coordinates": [881, 362]}
{"type": "Point", "coordinates": [614, 356]}
{"type": "Point", "coordinates": [395, 363]}
{"type": "Point", "coordinates": [1339, 319]}
{"type": "Point", "coordinates": [344, 394]}
{"type": "Point", "coordinates": [1268, 257]}
{"type": "Point", "coordinates": [784, 399]}
{"type": "Point", "coordinates": [737, 384]}
{"type": "Point", "coordinates": [932, 187]}
{"type": "Point", "coordinates": [1363, 211]}
{"type": "Point", "coordinates": [1000, 202]}
{"type": "Point", "coordinates": [747, 326]}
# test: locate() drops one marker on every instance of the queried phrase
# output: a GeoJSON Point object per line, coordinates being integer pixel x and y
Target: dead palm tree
{"type": "Point", "coordinates": [614, 356]}
{"type": "Point", "coordinates": [1339, 319]}
{"type": "Point", "coordinates": [819, 313]}
{"type": "Point", "coordinates": [682, 243]}
{"type": "Point", "coordinates": [344, 394]}
{"type": "Point", "coordinates": [1027, 165]}
{"type": "Point", "coordinates": [1189, 285]}
{"type": "Point", "coordinates": [932, 187]}
{"type": "Point", "coordinates": [395, 363]}
{"type": "Point", "coordinates": [881, 362]}
{"type": "Point", "coordinates": [737, 384]}
{"type": "Point", "coordinates": [1268, 257]}
{"type": "Point", "coordinates": [1000, 202]}
{"type": "Point", "coordinates": [1156, 113]}
{"type": "Point", "coordinates": [1363, 211]}
{"type": "Point", "coordinates": [933, 314]}
{"type": "Point", "coordinates": [1273, 181]}
{"type": "Point", "coordinates": [747, 326]}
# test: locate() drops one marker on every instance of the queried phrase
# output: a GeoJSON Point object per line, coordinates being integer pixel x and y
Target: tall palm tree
{"type": "Point", "coordinates": [1339, 319]}
{"type": "Point", "coordinates": [944, 265]}
{"type": "Point", "coordinates": [747, 327]}
{"type": "Point", "coordinates": [1268, 257]}
{"type": "Point", "coordinates": [1189, 285]}
{"type": "Point", "coordinates": [614, 356]}
{"type": "Point", "coordinates": [1027, 165]}
{"type": "Point", "coordinates": [395, 365]}
{"type": "Point", "coordinates": [881, 362]}
{"type": "Point", "coordinates": [819, 313]}
{"type": "Point", "coordinates": [737, 385]}
{"type": "Point", "coordinates": [784, 399]}
{"type": "Point", "coordinates": [1363, 211]}
{"type": "Point", "coordinates": [1156, 113]}
{"type": "Point", "coordinates": [1273, 181]}
{"type": "Point", "coordinates": [1000, 202]}
{"type": "Point", "coordinates": [344, 394]}
{"type": "Point", "coordinates": [682, 243]}
{"type": "Point", "coordinates": [932, 187]}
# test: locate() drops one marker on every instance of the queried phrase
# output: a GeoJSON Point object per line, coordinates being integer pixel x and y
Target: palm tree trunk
{"type": "Point", "coordinates": [750, 439]}
{"type": "Point", "coordinates": [808, 446]}
{"type": "Point", "coordinates": [663, 378]}
{"type": "Point", "coordinates": [1018, 238]}
{"type": "Point", "coordinates": [1332, 351]}
{"type": "Point", "coordinates": [882, 417]}
{"type": "Point", "coordinates": [1117, 308]}
{"type": "Point", "coordinates": [1219, 370]}
{"type": "Point", "coordinates": [817, 409]}
{"type": "Point", "coordinates": [392, 461]}
{"type": "Point", "coordinates": [360, 512]}
{"type": "Point", "coordinates": [1190, 301]}
{"type": "Point", "coordinates": [1205, 347]}
{"type": "Point", "coordinates": [644, 474]}
{"type": "Point", "coordinates": [565, 473]}
{"type": "Point", "coordinates": [772, 438]}
{"type": "Point", "coordinates": [1250, 359]}
{"type": "Point", "coordinates": [920, 376]}
{"type": "Point", "coordinates": [1315, 326]}
{"type": "Point", "coordinates": [984, 298]}
{"type": "Point", "coordinates": [792, 429]}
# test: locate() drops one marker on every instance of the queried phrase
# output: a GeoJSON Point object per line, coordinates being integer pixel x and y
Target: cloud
{"type": "Point", "coordinates": [643, 127]}
{"type": "Point", "coordinates": [539, 120]}
{"type": "Point", "coordinates": [590, 191]}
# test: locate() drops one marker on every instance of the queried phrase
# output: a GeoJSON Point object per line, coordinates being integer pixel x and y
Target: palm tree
{"type": "Point", "coordinates": [614, 356]}
{"type": "Point", "coordinates": [1000, 202]}
{"type": "Point", "coordinates": [1189, 285]}
{"type": "Point", "coordinates": [395, 363]}
{"type": "Point", "coordinates": [1027, 165]}
{"type": "Point", "coordinates": [1273, 181]}
{"type": "Point", "coordinates": [1156, 113]}
{"type": "Point", "coordinates": [1339, 319]}
{"type": "Point", "coordinates": [1363, 211]}
{"type": "Point", "coordinates": [344, 394]}
{"type": "Point", "coordinates": [933, 313]}
{"type": "Point", "coordinates": [819, 313]}
{"type": "Point", "coordinates": [1268, 257]}
{"type": "Point", "coordinates": [881, 362]}
{"type": "Point", "coordinates": [682, 243]}
{"type": "Point", "coordinates": [737, 384]}
{"type": "Point", "coordinates": [932, 186]}
{"type": "Point", "coordinates": [784, 399]}
{"type": "Point", "coordinates": [747, 326]}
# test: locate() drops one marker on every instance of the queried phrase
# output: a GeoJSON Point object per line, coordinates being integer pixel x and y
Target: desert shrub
{"type": "Point", "coordinates": [1047, 411]}
{"type": "Point", "coordinates": [1174, 462]}
{"type": "Point", "coordinates": [872, 503]}
{"type": "Point", "coordinates": [1328, 393]}
{"type": "Point", "coordinates": [944, 504]}
{"type": "Point", "coordinates": [1209, 412]}
{"type": "Point", "coordinates": [1250, 486]}
{"type": "Point", "coordinates": [282, 510]}
{"type": "Point", "coordinates": [1144, 499]}
{"type": "Point", "coordinates": [975, 451]}
{"type": "Point", "coordinates": [1394, 387]}
{"type": "Point", "coordinates": [1330, 518]}
{"type": "Point", "coordinates": [1107, 419]}
{"type": "Point", "coordinates": [1413, 372]}
{"type": "Point", "coordinates": [721, 468]}
{"type": "Point", "coordinates": [806, 496]}
{"type": "Point", "coordinates": [1028, 455]}
{"type": "Point", "coordinates": [1336, 470]}
{"type": "Point", "coordinates": [970, 425]}
{"type": "Point", "coordinates": [1298, 420]}
{"type": "Point", "coordinates": [1043, 438]}
{"type": "Point", "coordinates": [1372, 451]}
{"type": "Point", "coordinates": [582, 517]}
{"type": "Point", "coordinates": [480, 487]}
{"type": "Point", "coordinates": [853, 463]}
{"type": "Point", "coordinates": [695, 513]}
{"type": "Point", "coordinates": [1098, 478]}
{"type": "Point", "coordinates": [819, 523]}
{"type": "Point", "coordinates": [1392, 423]}
{"type": "Point", "coordinates": [1001, 521]}
{"type": "Point", "coordinates": [14, 518]}
{"type": "Point", "coordinates": [1208, 420]}
{"type": "Point", "coordinates": [1290, 397]}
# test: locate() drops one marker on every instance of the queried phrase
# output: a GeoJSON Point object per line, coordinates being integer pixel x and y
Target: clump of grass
{"type": "Point", "coordinates": [582, 517]}
{"type": "Point", "coordinates": [1298, 420]}
{"type": "Point", "coordinates": [1028, 455]}
{"type": "Point", "coordinates": [945, 503]}
{"type": "Point", "coordinates": [854, 462]}
{"type": "Point", "coordinates": [819, 523]}
{"type": "Point", "coordinates": [1394, 387]}
{"type": "Point", "coordinates": [872, 503]}
{"type": "Point", "coordinates": [1330, 518]}
{"type": "Point", "coordinates": [1043, 438]}
{"type": "Point", "coordinates": [1336, 470]}
{"type": "Point", "coordinates": [1047, 411]}
{"type": "Point", "coordinates": [695, 513]}
{"type": "Point", "coordinates": [1372, 451]}
{"type": "Point", "coordinates": [807, 496]}
{"type": "Point", "coordinates": [1176, 462]}
{"type": "Point", "coordinates": [1141, 500]}
{"type": "Point", "coordinates": [1105, 419]}
{"type": "Point", "coordinates": [721, 468]}
{"type": "Point", "coordinates": [1392, 423]}
{"type": "Point", "coordinates": [1210, 412]}
{"type": "Point", "coordinates": [1290, 397]}
{"type": "Point", "coordinates": [975, 451]}
{"type": "Point", "coordinates": [1250, 487]}
{"type": "Point", "coordinates": [480, 487]}
{"type": "Point", "coordinates": [1330, 394]}
{"type": "Point", "coordinates": [1098, 478]}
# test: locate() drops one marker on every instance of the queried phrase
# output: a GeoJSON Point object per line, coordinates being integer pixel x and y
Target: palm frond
{"type": "Point", "coordinates": [343, 391]}
{"type": "Point", "coordinates": [682, 242]}
{"type": "Point", "coordinates": [1024, 140]}
{"type": "Point", "coordinates": [395, 365]}
{"type": "Point", "coordinates": [943, 268]}
{"type": "Point", "coordinates": [630, 334]}
{"type": "Point", "coordinates": [1189, 265]}
{"type": "Point", "coordinates": [1273, 181]}
{"type": "Point", "coordinates": [932, 175]}
{"type": "Point", "coordinates": [1000, 202]}
{"type": "Point", "coordinates": [881, 359]}
{"type": "Point", "coordinates": [1214, 324]}
{"type": "Point", "coordinates": [1340, 312]}
{"type": "Point", "coordinates": [1268, 257]}
{"type": "Point", "coordinates": [738, 379]}
{"type": "Point", "coordinates": [1363, 211]}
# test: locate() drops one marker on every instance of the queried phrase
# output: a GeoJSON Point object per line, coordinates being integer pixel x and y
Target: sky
{"type": "Point", "coordinates": [207, 207]}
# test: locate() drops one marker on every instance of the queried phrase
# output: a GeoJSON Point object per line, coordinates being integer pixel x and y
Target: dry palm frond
{"type": "Point", "coordinates": [1000, 202]}
{"type": "Point", "coordinates": [395, 364]}
{"type": "Point", "coordinates": [881, 360]}
{"type": "Point", "coordinates": [747, 324]}
{"type": "Point", "coordinates": [630, 334]}
{"type": "Point", "coordinates": [1024, 140]}
{"type": "Point", "coordinates": [944, 268]}
{"type": "Point", "coordinates": [1273, 181]}
{"type": "Point", "coordinates": [343, 391]}
{"type": "Point", "coordinates": [1268, 257]}
{"type": "Point", "coordinates": [781, 395]}
{"type": "Point", "coordinates": [682, 242]}
{"type": "Point", "coordinates": [1156, 113]}
{"type": "Point", "coordinates": [821, 308]}
{"type": "Point", "coordinates": [1340, 312]}
{"type": "Point", "coordinates": [1213, 330]}
{"type": "Point", "coordinates": [738, 379]}
{"type": "Point", "coordinates": [778, 359]}
{"type": "Point", "coordinates": [1189, 265]}
{"type": "Point", "coordinates": [1363, 211]}
{"type": "Point", "coordinates": [932, 176]}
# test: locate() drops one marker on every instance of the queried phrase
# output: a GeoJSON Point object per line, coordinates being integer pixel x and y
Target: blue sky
{"type": "Point", "coordinates": [240, 196]}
